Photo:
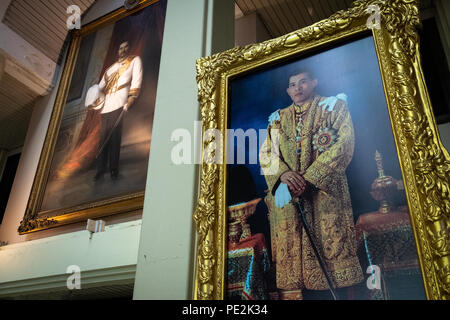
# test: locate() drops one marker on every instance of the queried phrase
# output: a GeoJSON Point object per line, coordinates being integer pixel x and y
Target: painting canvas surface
{"type": "Point", "coordinates": [81, 138]}
{"type": "Point", "coordinates": [381, 240]}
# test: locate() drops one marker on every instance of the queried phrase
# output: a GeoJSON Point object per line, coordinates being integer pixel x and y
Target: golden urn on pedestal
{"type": "Point", "coordinates": [238, 215]}
{"type": "Point", "coordinates": [384, 188]}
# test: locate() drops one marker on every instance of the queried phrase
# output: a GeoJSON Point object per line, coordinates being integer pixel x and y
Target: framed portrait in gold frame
{"type": "Point", "coordinates": [98, 140]}
{"type": "Point", "coordinates": [323, 173]}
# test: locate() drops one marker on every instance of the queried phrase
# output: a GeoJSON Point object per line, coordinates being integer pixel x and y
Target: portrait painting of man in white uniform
{"type": "Point", "coordinates": [114, 96]}
{"type": "Point", "coordinates": [104, 137]}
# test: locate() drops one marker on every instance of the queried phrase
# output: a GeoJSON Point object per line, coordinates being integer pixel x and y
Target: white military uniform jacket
{"type": "Point", "coordinates": [121, 80]}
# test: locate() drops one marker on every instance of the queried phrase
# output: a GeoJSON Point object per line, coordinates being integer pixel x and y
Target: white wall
{"type": "Point", "coordinates": [105, 258]}
{"type": "Point", "coordinates": [26, 169]}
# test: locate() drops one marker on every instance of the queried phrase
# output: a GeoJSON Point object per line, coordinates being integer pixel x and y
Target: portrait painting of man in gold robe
{"type": "Point", "coordinates": [315, 142]}
{"type": "Point", "coordinates": [322, 123]}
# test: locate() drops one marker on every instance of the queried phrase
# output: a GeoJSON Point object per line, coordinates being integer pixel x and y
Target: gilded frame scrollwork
{"type": "Point", "coordinates": [424, 161]}
{"type": "Point", "coordinates": [34, 219]}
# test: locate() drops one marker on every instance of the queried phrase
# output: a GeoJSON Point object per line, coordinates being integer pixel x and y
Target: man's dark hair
{"type": "Point", "coordinates": [123, 41]}
{"type": "Point", "coordinates": [309, 72]}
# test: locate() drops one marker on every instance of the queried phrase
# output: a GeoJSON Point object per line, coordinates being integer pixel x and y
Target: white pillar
{"type": "Point", "coordinates": [193, 29]}
{"type": "Point", "coordinates": [27, 167]}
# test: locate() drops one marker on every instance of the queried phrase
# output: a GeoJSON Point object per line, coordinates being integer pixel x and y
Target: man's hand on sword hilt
{"type": "Point", "coordinates": [295, 182]}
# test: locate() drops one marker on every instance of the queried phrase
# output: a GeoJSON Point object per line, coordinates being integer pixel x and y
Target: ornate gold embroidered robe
{"type": "Point", "coordinates": [326, 201]}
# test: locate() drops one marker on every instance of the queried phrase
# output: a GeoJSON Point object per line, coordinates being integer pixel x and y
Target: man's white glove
{"type": "Point", "coordinates": [330, 102]}
{"type": "Point", "coordinates": [274, 117]}
{"type": "Point", "coordinates": [282, 195]}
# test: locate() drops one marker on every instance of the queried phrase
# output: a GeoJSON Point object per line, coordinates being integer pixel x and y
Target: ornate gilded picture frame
{"type": "Point", "coordinates": [343, 109]}
{"type": "Point", "coordinates": [98, 140]}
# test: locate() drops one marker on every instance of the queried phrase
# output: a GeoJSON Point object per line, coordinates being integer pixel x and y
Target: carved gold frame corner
{"type": "Point", "coordinates": [36, 220]}
{"type": "Point", "coordinates": [424, 161]}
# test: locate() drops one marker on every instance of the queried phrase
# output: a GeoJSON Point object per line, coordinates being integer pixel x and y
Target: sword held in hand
{"type": "Point", "coordinates": [314, 246]}
{"type": "Point", "coordinates": [95, 100]}
{"type": "Point", "coordinates": [119, 118]}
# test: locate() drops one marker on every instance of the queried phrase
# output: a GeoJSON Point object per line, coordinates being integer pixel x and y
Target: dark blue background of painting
{"type": "Point", "coordinates": [350, 68]}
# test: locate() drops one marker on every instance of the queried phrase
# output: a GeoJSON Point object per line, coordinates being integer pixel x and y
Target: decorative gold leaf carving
{"type": "Point", "coordinates": [27, 225]}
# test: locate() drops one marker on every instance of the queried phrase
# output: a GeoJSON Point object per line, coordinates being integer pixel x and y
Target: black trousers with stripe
{"type": "Point", "coordinates": [110, 154]}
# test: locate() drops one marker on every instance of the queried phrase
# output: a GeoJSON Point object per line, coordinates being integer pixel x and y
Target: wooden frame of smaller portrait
{"type": "Point", "coordinates": [36, 219]}
{"type": "Point", "coordinates": [424, 162]}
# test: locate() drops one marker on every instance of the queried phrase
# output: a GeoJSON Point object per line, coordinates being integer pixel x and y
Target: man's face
{"type": "Point", "coordinates": [123, 50]}
{"type": "Point", "coordinates": [301, 88]}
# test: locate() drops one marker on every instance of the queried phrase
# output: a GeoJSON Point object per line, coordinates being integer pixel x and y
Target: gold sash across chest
{"type": "Point", "coordinates": [313, 119]}
{"type": "Point", "coordinates": [111, 80]}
